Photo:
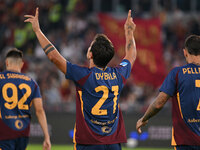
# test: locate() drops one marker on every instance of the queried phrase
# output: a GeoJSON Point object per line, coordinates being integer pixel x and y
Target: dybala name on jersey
{"type": "Point", "coordinates": [105, 76]}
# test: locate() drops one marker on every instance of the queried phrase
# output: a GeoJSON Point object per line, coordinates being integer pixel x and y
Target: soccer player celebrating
{"type": "Point", "coordinates": [99, 123]}
{"type": "Point", "coordinates": [183, 85]}
{"type": "Point", "coordinates": [17, 93]}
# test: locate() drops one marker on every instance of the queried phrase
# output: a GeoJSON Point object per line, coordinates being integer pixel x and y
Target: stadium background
{"type": "Point", "coordinates": [71, 26]}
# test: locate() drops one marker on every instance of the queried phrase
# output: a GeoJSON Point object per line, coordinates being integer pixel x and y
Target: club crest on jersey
{"type": "Point", "coordinates": [19, 124]}
{"type": "Point", "coordinates": [123, 64]}
{"type": "Point", "coordinates": [106, 129]}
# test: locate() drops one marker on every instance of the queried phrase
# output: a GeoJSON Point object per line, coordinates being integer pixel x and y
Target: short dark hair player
{"type": "Point", "coordinates": [99, 122]}
{"type": "Point", "coordinates": [183, 85]}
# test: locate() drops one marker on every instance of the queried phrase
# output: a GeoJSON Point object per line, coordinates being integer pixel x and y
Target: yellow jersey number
{"type": "Point", "coordinates": [12, 101]}
{"type": "Point", "coordinates": [197, 84]}
{"type": "Point", "coordinates": [96, 109]}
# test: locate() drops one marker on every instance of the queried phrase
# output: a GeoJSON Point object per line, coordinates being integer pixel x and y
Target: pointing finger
{"type": "Point", "coordinates": [36, 12]}
{"type": "Point", "coordinates": [129, 14]}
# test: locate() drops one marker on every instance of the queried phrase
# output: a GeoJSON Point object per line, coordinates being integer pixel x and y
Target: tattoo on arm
{"type": "Point", "coordinates": [153, 110]}
{"type": "Point", "coordinates": [47, 49]}
{"type": "Point", "coordinates": [47, 46]}
{"type": "Point", "coordinates": [130, 43]}
{"type": "Point", "coordinates": [130, 27]}
{"type": "Point", "coordinates": [156, 106]}
{"type": "Point", "coordinates": [129, 30]}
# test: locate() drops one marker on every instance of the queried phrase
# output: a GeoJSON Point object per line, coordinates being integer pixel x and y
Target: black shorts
{"type": "Point", "coordinates": [97, 147]}
{"type": "Point", "coordinates": [14, 144]}
{"type": "Point", "coordinates": [186, 147]}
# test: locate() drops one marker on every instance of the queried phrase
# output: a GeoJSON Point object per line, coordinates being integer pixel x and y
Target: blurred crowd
{"type": "Point", "coordinates": [71, 25]}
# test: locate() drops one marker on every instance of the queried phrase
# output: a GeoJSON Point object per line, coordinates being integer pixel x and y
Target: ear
{"type": "Point", "coordinates": [22, 64]}
{"type": "Point", "coordinates": [90, 55]}
{"type": "Point", "coordinates": [6, 63]}
{"type": "Point", "coordinates": [185, 52]}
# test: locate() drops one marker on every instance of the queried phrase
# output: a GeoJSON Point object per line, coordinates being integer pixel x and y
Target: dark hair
{"type": "Point", "coordinates": [192, 44]}
{"type": "Point", "coordinates": [14, 53]}
{"type": "Point", "coordinates": [102, 50]}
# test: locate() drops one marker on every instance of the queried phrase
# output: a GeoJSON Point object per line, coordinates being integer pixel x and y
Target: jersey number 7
{"type": "Point", "coordinates": [197, 84]}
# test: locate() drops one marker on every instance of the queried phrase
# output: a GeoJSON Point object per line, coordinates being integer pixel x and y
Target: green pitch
{"type": "Point", "coordinates": [66, 147]}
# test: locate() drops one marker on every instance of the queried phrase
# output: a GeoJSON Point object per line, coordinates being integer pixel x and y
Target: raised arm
{"type": "Point", "coordinates": [37, 102]}
{"type": "Point", "coordinates": [152, 110]}
{"type": "Point", "coordinates": [47, 46]}
{"type": "Point", "coordinates": [130, 48]}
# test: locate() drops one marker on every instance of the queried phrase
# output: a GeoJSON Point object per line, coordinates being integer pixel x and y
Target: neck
{"type": "Point", "coordinates": [13, 69]}
{"type": "Point", "coordinates": [194, 59]}
{"type": "Point", "coordinates": [91, 64]}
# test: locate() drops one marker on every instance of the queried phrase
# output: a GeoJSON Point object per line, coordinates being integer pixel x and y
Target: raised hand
{"type": "Point", "coordinates": [33, 20]}
{"type": "Point", "coordinates": [129, 24]}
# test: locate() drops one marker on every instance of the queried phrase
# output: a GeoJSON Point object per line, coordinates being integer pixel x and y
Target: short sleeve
{"type": "Point", "coordinates": [36, 93]}
{"type": "Point", "coordinates": [169, 84]}
{"type": "Point", "coordinates": [124, 68]}
{"type": "Point", "coordinates": [75, 72]}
